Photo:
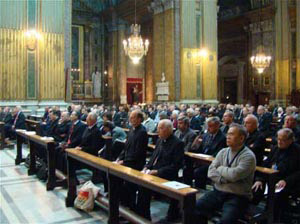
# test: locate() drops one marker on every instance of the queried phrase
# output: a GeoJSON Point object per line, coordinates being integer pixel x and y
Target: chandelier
{"type": "Point", "coordinates": [135, 47]}
{"type": "Point", "coordinates": [260, 61]}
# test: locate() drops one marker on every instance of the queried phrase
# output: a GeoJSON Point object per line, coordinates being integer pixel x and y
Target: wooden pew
{"type": "Point", "coordinates": [269, 174]}
{"type": "Point", "coordinates": [32, 125]}
{"type": "Point", "coordinates": [35, 117]}
{"type": "Point", "coordinates": [49, 145]}
{"type": "Point", "coordinates": [2, 140]}
{"type": "Point", "coordinates": [117, 173]}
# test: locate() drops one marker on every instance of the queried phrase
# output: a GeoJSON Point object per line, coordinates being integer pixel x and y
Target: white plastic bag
{"type": "Point", "coordinates": [86, 196]}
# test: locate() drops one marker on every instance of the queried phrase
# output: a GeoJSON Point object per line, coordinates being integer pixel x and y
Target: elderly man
{"type": "Point", "coordinates": [232, 173]}
{"type": "Point", "coordinates": [291, 123]}
{"type": "Point", "coordinates": [133, 154]}
{"type": "Point", "coordinates": [64, 125]}
{"type": "Point", "coordinates": [195, 123]}
{"type": "Point", "coordinates": [255, 139]}
{"type": "Point", "coordinates": [211, 143]}
{"type": "Point", "coordinates": [264, 120]}
{"type": "Point", "coordinates": [165, 162]}
{"type": "Point", "coordinates": [73, 140]}
{"type": "Point", "coordinates": [286, 159]}
{"type": "Point", "coordinates": [228, 117]}
{"type": "Point", "coordinates": [91, 141]}
{"type": "Point", "coordinates": [18, 123]}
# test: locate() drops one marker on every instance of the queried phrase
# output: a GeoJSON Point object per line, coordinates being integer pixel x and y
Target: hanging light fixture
{"type": "Point", "coordinates": [135, 47]}
{"type": "Point", "coordinates": [260, 61]}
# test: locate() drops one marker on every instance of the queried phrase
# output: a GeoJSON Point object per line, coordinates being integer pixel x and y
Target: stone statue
{"type": "Point", "coordinates": [96, 79]}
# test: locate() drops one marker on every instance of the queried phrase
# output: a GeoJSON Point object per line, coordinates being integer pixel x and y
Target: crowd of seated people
{"type": "Point", "coordinates": [234, 134]}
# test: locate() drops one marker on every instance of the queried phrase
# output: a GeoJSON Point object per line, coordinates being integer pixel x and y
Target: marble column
{"type": "Point", "coordinates": [282, 65]}
{"type": "Point", "coordinates": [210, 63]}
{"type": "Point", "coordinates": [122, 65]}
{"type": "Point", "coordinates": [164, 44]}
{"type": "Point", "coordinates": [68, 48]}
{"type": "Point", "coordinates": [298, 44]}
{"type": "Point", "coordinates": [87, 56]}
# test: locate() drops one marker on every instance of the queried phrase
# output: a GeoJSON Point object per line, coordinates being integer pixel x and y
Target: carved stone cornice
{"type": "Point", "coordinates": [266, 26]}
{"type": "Point", "coordinates": [159, 6]}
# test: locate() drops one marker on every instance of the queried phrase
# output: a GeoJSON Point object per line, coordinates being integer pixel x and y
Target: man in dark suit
{"type": "Point", "coordinates": [290, 122]}
{"type": "Point", "coordinates": [64, 126]}
{"type": "Point", "coordinates": [210, 144]}
{"type": "Point", "coordinates": [264, 120]}
{"type": "Point", "coordinates": [228, 118]}
{"type": "Point", "coordinates": [134, 154]}
{"type": "Point", "coordinates": [285, 158]}
{"type": "Point", "coordinates": [255, 139]}
{"type": "Point", "coordinates": [73, 140]}
{"type": "Point", "coordinates": [194, 122]}
{"type": "Point", "coordinates": [91, 141]}
{"type": "Point", "coordinates": [53, 128]}
{"type": "Point", "coordinates": [18, 123]}
{"type": "Point", "coordinates": [184, 133]}
{"type": "Point", "coordinates": [187, 135]}
{"type": "Point", "coordinates": [165, 162]}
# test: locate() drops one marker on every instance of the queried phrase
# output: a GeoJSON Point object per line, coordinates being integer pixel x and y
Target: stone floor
{"type": "Point", "coordinates": [24, 199]}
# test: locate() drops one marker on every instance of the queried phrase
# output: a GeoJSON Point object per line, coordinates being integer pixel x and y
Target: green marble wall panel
{"type": "Point", "coordinates": [31, 81]}
{"type": "Point", "coordinates": [13, 14]}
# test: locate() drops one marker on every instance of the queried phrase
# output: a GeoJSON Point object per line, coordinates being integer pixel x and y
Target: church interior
{"type": "Point", "coordinates": [192, 105]}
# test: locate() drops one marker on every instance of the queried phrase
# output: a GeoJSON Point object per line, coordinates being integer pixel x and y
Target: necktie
{"type": "Point", "coordinates": [208, 143]}
{"type": "Point", "coordinates": [15, 121]}
{"type": "Point", "coordinates": [71, 132]}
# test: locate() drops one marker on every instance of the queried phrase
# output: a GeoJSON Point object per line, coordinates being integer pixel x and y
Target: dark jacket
{"type": "Point", "coordinates": [8, 119]}
{"type": "Point", "coordinates": [287, 161]}
{"type": "Point", "coordinates": [117, 119]}
{"type": "Point", "coordinates": [134, 153]}
{"type": "Point", "coordinates": [53, 130]}
{"type": "Point", "coordinates": [257, 143]}
{"type": "Point", "coordinates": [76, 135]}
{"type": "Point", "coordinates": [218, 143]}
{"type": "Point", "coordinates": [92, 141]}
{"type": "Point", "coordinates": [20, 122]}
{"type": "Point", "coordinates": [63, 130]}
{"type": "Point", "coordinates": [187, 137]}
{"type": "Point", "coordinates": [167, 158]}
{"type": "Point", "coordinates": [195, 124]}
{"type": "Point", "coordinates": [265, 122]}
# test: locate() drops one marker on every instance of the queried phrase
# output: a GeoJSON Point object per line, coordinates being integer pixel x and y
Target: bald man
{"type": "Point", "coordinates": [165, 162]}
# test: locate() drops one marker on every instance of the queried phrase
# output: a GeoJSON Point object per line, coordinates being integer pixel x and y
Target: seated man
{"type": "Point", "coordinates": [73, 140]}
{"type": "Point", "coordinates": [228, 118]}
{"type": "Point", "coordinates": [232, 173]}
{"type": "Point", "coordinates": [184, 133]}
{"type": "Point", "coordinates": [255, 139]}
{"type": "Point", "coordinates": [18, 123]}
{"type": "Point", "coordinates": [64, 125]}
{"type": "Point", "coordinates": [165, 162]}
{"type": "Point", "coordinates": [291, 123]}
{"type": "Point", "coordinates": [211, 143]}
{"type": "Point", "coordinates": [286, 159]}
{"type": "Point", "coordinates": [194, 121]}
{"type": "Point", "coordinates": [264, 119]}
{"type": "Point", "coordinates": [91, 141]}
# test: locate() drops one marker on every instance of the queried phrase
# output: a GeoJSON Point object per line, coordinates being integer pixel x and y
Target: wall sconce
{"type": "Point", "coordinates": [32, 37]}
